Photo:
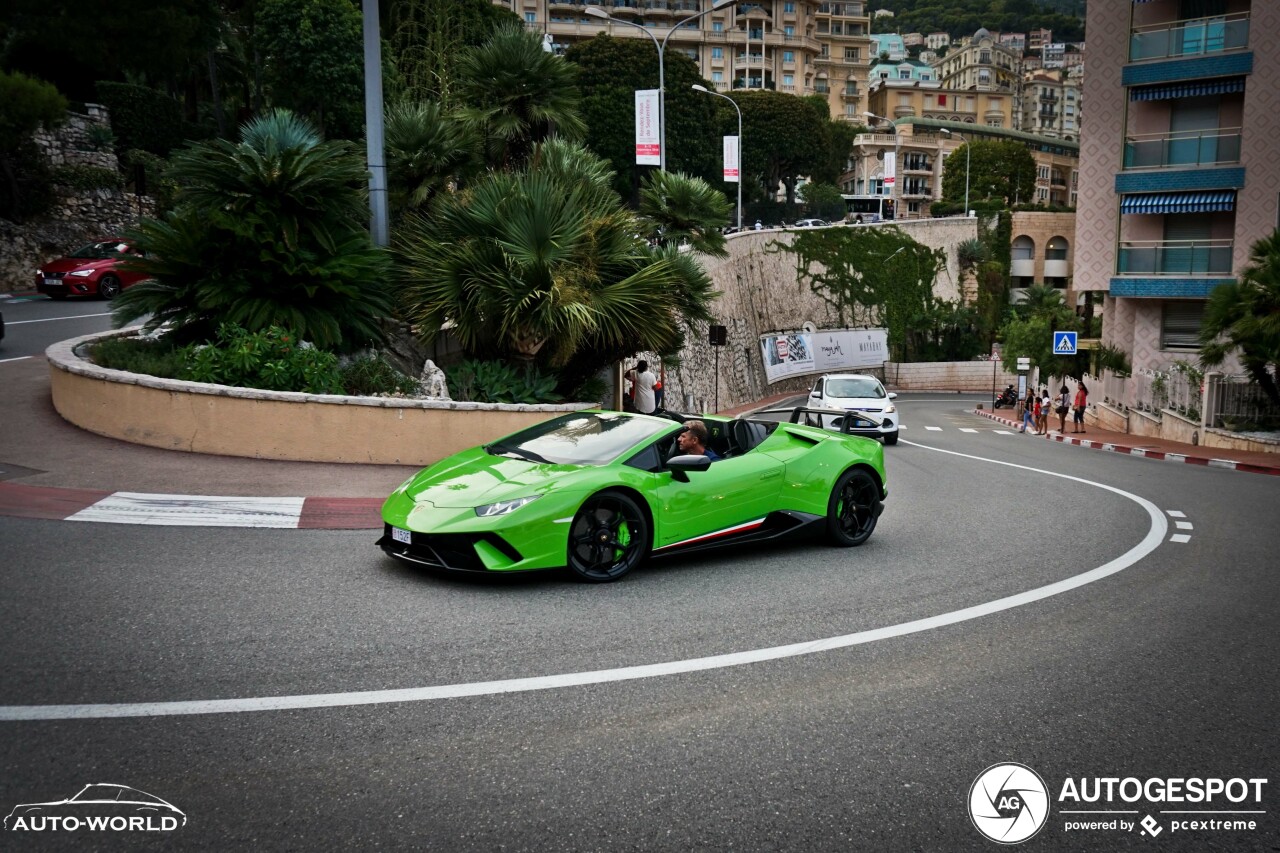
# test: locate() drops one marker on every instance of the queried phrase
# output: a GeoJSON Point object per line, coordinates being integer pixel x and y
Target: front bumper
{"type": "Point", "coordinates": [454, 552]}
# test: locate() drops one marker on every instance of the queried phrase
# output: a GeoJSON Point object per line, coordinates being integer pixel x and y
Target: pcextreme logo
{"type": "Point", "coordinates": [1009, 803]}
{"type": "Point", "coordinates": [101, 807]}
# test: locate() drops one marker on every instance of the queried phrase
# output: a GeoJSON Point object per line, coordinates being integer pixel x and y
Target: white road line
{"type": "Point", "coordinates": [19, 358]}
{"type": "Point", "coordinates": [1153, 539]}
{"type": "Point", "coordinates": [1002, 432]}
{"type": "Point", "coordinates": [52, 319]}
{"type": "Point", "coordinates": [193, 511]}
{"type": "Point", "coordinates": [934, 429]}
{"type": "Point", "coordinates": [1177, 513]}
{"type": "Point", "coordinates": [1183, 525]}
{"type": "Point", "coordinates": [963, 429]}
{"type": "Point", "coordinates": [1179, 537]}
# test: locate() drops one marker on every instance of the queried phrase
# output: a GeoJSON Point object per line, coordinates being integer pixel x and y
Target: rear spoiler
{"type": "Point", "coordinates": [849, 420]}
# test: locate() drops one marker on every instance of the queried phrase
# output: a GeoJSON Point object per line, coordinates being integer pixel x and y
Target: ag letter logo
{"type": "Point", "coordinates": [1008, 803]}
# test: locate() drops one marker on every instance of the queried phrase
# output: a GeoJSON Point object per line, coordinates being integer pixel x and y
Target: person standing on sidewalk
{"type": "Point", "coordinates": [642, 382]}
{"type": "Point", "coordinates": [1081, 401]}
{"type": "Point", "coordinates": [1046, 402]}
{"type": "Point", "coordinates": [1062, 405]}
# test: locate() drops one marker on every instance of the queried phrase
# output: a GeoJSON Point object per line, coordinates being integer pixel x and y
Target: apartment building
{"type": "Point", "coordinates": [982, 64]}
{"type": "Point", "coordinates": [1179, 175]}
{"type": "Point", "coordinates": [1051, 104]}
{"type": "Point", "coordinates": [803, 47]}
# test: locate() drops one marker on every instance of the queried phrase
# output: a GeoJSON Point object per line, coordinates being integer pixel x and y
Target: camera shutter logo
{"type": "Point", "coordinates": [1009, 803]}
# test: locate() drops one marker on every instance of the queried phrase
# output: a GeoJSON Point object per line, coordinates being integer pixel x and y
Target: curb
{"type": "Point", "coordinates": [1165, 456]}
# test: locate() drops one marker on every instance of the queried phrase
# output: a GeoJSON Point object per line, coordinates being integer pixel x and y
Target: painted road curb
{"type": "Point", "coordinates": [1162, 455]}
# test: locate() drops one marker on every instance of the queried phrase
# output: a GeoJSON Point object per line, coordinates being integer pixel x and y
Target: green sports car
{"type": "Point", "coordinates": [601, 491]}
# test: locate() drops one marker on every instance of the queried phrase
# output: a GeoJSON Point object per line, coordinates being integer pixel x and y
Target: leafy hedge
{"type": "Point", "coordinates": [78, 176]}
{"type": "Point", "coordinates": [499, 382]}
{"type": "Point", "coordinates": [144, 118]}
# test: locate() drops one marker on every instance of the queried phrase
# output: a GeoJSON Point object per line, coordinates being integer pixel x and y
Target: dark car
{"type": "Point", "coordinates": [92, 270]}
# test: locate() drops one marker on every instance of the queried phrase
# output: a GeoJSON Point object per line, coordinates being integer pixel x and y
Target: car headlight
{"type": "Point", "coordinates": [504, 507]}
{"type": "Point", "coordinates": [890, 409]}
{"type": "Point", "coordinates": [80, 273]}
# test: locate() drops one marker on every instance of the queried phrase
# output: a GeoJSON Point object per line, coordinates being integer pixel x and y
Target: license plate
{"type": "Point", "coordinates": [402, 535]}
{"type": "Point", "coordinates": [53, 281]}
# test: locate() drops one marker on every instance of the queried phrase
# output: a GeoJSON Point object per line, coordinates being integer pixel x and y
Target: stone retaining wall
{"type": "Point", "coordinates": [974, 376]}
{"type": "Point", "coordinates": [200, 418]}
{"type": "Point", "coordinates": [1171, 426]}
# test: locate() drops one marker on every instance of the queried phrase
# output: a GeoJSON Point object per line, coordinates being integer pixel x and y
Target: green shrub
{"type": "Point", "coordinates": [137, 355]}
{"type": "Point", "coordinates": [144, 118]}
{"type": "Point", "coordinates": [499, 382]}
{"type": "Point", "coordinates": [155, 179]}
{"type": "Point", "coordinates": [80, 177]}
{"type": "Point", "coordinates": [100, 137]}
{"type": "Point", "coordinates": [273, 360]}
{"type": "Point", "coordinates": [369, 377]}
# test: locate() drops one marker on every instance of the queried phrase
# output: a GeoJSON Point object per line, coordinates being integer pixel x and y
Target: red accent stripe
{"type": "Point", "coordinates": [45, 501]}
{"type": "Point", "coordinates": [341, 513]}
{"type": "Point", "coordinates": [741, 528]}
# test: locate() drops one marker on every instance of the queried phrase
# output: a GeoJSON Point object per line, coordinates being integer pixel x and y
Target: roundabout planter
{"type": "Point", "coordinates": [218, 419]}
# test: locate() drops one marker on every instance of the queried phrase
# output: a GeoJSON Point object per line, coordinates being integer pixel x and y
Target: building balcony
{"type": "Point", "coordinates": [749, 61]}
{"type": "Point", "coordinates": [1021, 265]}
{"type": "Point", "coordinates": [1175, 257]}
{"type": "Point", "coordinates": [657, 8]}
{"type": "Point", "coordinates": [1191, 37]}
{"type": "Point", "coordinates": [1057, 268]}
{"type": "Point", "coordinates": [1188, 148]}
{"type": "Point", "coordinates": [850, 94]}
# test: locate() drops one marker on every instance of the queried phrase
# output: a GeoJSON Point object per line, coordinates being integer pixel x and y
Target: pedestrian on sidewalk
{"type": "Point", "coordinates": [642, 382]}
{"type": "Point", "coordinates": [1063, 405]}
{"type": "Point", "coordinates": [1029, 405]}
{"type": "Point", "coordinates": [1082, 400]}
{"type": "Point", "coordinates": [1046, 403]}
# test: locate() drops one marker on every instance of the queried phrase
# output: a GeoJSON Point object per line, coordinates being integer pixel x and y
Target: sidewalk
{"type": "Point", "coordinates": [1151, 448]}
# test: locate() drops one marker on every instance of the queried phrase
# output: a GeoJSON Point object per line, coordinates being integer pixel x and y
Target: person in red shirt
{"type": "Point", "coordinates": [1081, 401]}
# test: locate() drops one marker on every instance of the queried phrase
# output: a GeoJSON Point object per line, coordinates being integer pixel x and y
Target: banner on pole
{"type": "Point", "coordinates": [731, 159]}
{"type": "Point", "coordinates": [648, 134]}
{"type": "Point", "coordinates": [890, 171]}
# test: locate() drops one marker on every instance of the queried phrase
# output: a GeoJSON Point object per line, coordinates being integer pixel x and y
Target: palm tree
{"type": "Point", "coordinates": [546, 262]}
{"type": "Point", "coordinates": [270, 231]}
{"type": "Point", "coordinates": [515, 94]}
{"type": "Point", "coordinates": [1245, 316]}
{"type": "Point", "coordinates": [428, 151]}
{"type": "Point", "coordinates": [684, 209]}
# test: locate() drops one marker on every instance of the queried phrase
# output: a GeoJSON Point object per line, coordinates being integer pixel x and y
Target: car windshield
{"type": "Point", "coordinates": [99, 251]}
{"type": "Point", "coordinates": [579, 439]}
{"type": "Point", "coordinates": [854, 386]}
{"type": "Point", "coordinates": [98, 792]}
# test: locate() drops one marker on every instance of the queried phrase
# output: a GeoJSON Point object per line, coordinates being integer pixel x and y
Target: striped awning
{"type": "Point", "coordinates": [1184, 89]}
{"type": "Point", "coordinates": [1204, 201]}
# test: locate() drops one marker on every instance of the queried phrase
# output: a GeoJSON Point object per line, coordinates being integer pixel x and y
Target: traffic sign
{"type": "Point", "coordinates": [1024, 362]}
{"type": "Point", "coordinates": [1064, 343]}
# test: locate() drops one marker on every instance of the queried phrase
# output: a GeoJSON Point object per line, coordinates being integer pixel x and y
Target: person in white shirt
{"type": "Point", "coordinates": [642, 382]}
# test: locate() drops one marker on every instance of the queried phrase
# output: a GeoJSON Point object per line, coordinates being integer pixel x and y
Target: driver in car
{"type": "Point", "coordinates": [693, 441]}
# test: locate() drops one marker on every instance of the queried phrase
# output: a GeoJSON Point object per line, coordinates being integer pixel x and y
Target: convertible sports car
{"type": "Point", "coordinates": [600, 491]}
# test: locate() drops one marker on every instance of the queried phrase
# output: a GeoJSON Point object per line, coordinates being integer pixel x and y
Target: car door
{"type": "Point", "coordinates": [732, 492]}
{"type": "Point", "coordinates": [815, 396]}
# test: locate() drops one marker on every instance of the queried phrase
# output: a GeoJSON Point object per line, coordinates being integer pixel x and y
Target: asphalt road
{"type": "Point", "coordinates": [1164, 668]}
{"type": "Point", "coordinates": [32, 323]}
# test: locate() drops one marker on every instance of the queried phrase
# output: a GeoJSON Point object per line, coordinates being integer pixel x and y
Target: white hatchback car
{"type": "Point", "coordinates": [857, 392]}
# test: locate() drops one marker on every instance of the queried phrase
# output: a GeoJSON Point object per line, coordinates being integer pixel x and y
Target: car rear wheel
{"type": "Point", "coordinates": [609, 537]}
{"type": "Point", "coordinates": [853, 509]}
{"type": "Point", "coordinates": [109, 287]}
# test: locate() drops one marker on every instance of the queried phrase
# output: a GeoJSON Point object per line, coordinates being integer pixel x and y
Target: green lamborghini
{"type": "Point", "coordinates": [601, 491]}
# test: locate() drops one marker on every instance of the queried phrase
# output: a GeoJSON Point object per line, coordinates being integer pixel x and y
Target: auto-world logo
{"type": "Point", "coordinates": [1009, 803]}
{"type": "Point", "coordinates": [98, 808]}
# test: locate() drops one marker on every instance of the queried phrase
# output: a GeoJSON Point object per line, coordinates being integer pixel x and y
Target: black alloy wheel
{"type": "Point", "coordinates": [609, 537]}
{"type": "Point", "coordinates": [853, 509]}
{"type": "Point", "coordinates": [109, 287]}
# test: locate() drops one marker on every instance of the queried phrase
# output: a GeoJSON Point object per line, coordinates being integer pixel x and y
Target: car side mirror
{"type": "Point", "coordinates": [893, 396]}
{"type": "Point", "coordinates": [680, 466]}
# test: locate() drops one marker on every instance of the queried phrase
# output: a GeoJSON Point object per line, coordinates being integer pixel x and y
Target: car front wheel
{"type": "Point", "coordinates": [109, 287]}
{"type": "Point", "coordinates": [891, 438]}
{"type": "Point", "coordinates": [853, 509]}
{"type": "Point", "coordinates": [609, 537]}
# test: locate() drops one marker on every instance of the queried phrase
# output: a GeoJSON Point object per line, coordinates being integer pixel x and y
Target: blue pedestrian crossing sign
{"type": "Point", "coordinates": [1064, 343]}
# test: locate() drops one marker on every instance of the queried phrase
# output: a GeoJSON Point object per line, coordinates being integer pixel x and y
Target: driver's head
{"type": "Point", "coordinates": [694, 438]}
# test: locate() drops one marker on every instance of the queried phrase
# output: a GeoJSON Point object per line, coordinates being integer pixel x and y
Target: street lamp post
{"type": "Point", "coordinates": [895, 195]}
{"type": "Point", "coordinates": [968, 150]}
{"type": "Point", "coordinates": [700, 88]}
{"type": "Point", "coordinates": [597, 12]}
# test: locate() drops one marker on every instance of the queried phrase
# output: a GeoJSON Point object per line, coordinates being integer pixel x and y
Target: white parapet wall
{"type": "Point", "coordinates": [968, 376]}
{"type": "Point", "coordinates": [201, 418]}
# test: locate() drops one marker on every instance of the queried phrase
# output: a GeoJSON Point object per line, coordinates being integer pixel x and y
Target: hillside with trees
{"type": "Point", "coordinates": [964, 17]}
